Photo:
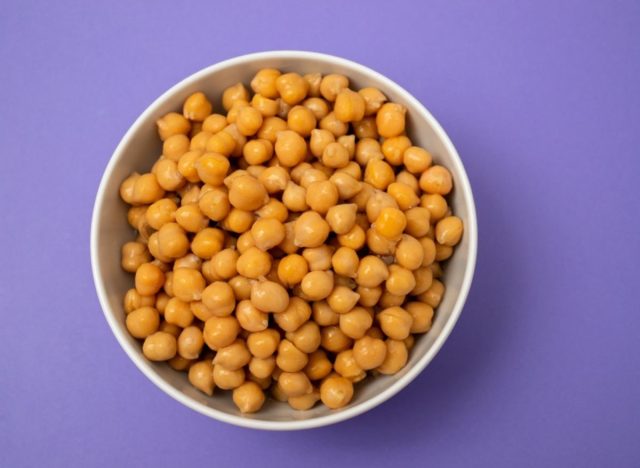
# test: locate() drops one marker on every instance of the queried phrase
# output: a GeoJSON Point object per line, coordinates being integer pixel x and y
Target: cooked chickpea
{"type": "Point", "coordinates": [365, 128]}
{"type": "Point", "coordinates": [318, 106]}
{"type": "Point", "coordinates": [207, 242]}
{"type": "Point", "coordinates": [334, 340]}
{"type": "Point", "coordinates": [190, 342]}
{"type": "Point", "coordinates": [396, 358]}
{"type": "Point", "coordinates": [228, 379]}
{"type": "Point", "coordinates": [349, 106]}
{"type": "Point", "coordinates": [391, 300]}
{"type": "Point", "coordinates": [267, 233]}
{"type": "Point", "coordinates": [290, 148]}
{"type": "Point", "coordinates": [424, 278]}
{"type": "Point", "coordinates": [159, 346]}
{"type": "Point", "coordinates": [201, 376]}
{"type": "Point", "coordinates": [134, 254]}
{"type": "Point", "coordinates": [373, 100]}
{"type": "Point", "coordinates": [317, 285]}
{"type": "Point", "coordinates": [436, 180]}
{"type": "Point", "coordinates": [336, 391]}
{"type": "Point", "coordinates": [331, 85]}
{"type": "Point", "coordinates": [345, 262]}
{"type": "Point", "coordinates": [187, 166]}
{"type": "Point", "coordinates": [390, 223]}
{"type": "Point", "coordinates": [214, 123]}
{"type": "Point", "coordinates": [292, 88]}
{"type": "Point", "coordinates": [307, 337]}
{"type": "Point", "coordinates": [416, 159]}
{"type": "Point", "coordinates": [318, 258]}
{"type": "Point", "coordinates": [318, 365]}
{"type": "Point", "coordinates": [197, 107]}
{"type": "Point", "coordinates": [342, 299]}
{"type": "Point", "coordinates": [248, 397]}
{"type": "Point", "coordinates": [390, 120]}
{"type": "Point", "coordinates": [263, 344]}
{"type": "Point", "coordinates": [220, 331]}
{"type": "Point", "coordinates": [149, 279]}
{"type": "Point", "coordinates": [319, 140]}
{"type": "Point", "coordinates": [262, 368]}
{"type": "Point", "coordinates": [372, 271]}
{"type": "Point", "coordinates": [369, 296]}
{"type": "Point", "coordinates": [292, 269]}
{"type": "Point", "coordinates": [347, 185]}
{"type": "Point", "coordinates": [238, 221]}
{"type": "Point", "coordinates": [417, 221]}
{"type": "Point", "coordinates": [290, 358]}
{"type": "Point", "coordinates": [354, 239]}
{"type": "Point", "coordinates": [188, 284]}
{"type": "Point", "coordinates": [250, 317]}
{"type": "Point", "coordinates": [356, 322]}
{"type": "Point", "coordinates": [145, 190]}
{"type": "Point", "coordinates": [160, 213]}
{"type": "Point", "coordinates": [264, 82]}
{"type": "Point", "coordinates": [178, 312]}
{"type": "Point", "coordinates": [172, 124]}
{"type": "Point", "coordinates": [346, 366]}
{"type": "Point", "coordinates": [269, 296]}
{"type": "Point", "coordinates": [422, 315]}
{"type": "Point", "coordinates": [266, 106]}
{"type": "Point", "coordinates": [253, 263]}
{"type": "Point", "coordinates": [369, 352]}
{"type": "Point", "coordinates": [271, 127]}
{"type": "Point", "coordinates": [331, 123]}
{"type": "Point", "coordinates": [379, 244]}
{"type": "Point", "coordinates": [400, 281]}
{"type": "Point", "coordinates": [296, 313]}
{"type": "Point", "coordinates": [249, 120]}
{"type": "Point", "coordinates": [294, 384]}
{"type": "Point", "coordinates": [234, 93]}
{"type": "Point", "coordinates": [134, 300]}
{"type": "Point", "coordinates": [403, 195]}
{"type": "Point", "coordinates": [224, 263]}
{"type": "Point", "coordinates": [170, 328]}
{"type": "Point", "coordinates": [443, 252]}
{"type": "Point", "coordinates": [247, 193]}
{"type": "Point", "coordinates": [310, 230]}
{"type": "Point", "coordinates": [395, 322]}
{"type": "Point", "coordinates": [168, 176]}
{"type": "Point", "coordinates": [393, 149]}
{"type": "Point", "coordinates": [304, 402]}
{"type": "Point", "coordinates": [219, 298]}
{"type": "Point", "coordinates": [368, 149]}
{"type": "Point", "coordinates": [143, 322]}
{"type": "Point", "coordinates": [379, 174]}
{"type": "Point", "coordinates": [323, 315]}
{"type": "Point", "coordinates": [335, 155]}
{"type": "Point", "coordinates": [409, 253]}
{"type": "Point", "coordinates": [436, 204]}
{"type": "Point", "coordinates": [433, 295]}
{"type": "Point", "coordinates": [234, 356]}
{"type": "Point", "coordinates": [449, 231]}
{"type": "Point", "coordinates": [301, 120]}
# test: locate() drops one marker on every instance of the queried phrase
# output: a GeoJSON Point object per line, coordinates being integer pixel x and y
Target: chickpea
{"type": "Point", "coordinates": [369, 352]}
{"type": "Point", "coordinates": [379, 244]}
{"type": "Point", "coordinates": [390, 223]}
{"type": "Point", "coordinates": [168, 176]}
{"type": "Point", "coordinates": [335, 155]}
{"type": "Point", "coordinates": [417, 221]}
{"type": "Point", "coordinates": [318, 366]}
{"type": "Point", "coordinates": [390, 120]}
{"type": "Point", "coordinates": [429, 248]}
{"type": "Point", "coordinates": [408, 179]}
{"type": "Point", "coordinates": [170, 328]}
{"type": "Point", "coordinates": [214, 123]}
{"type": "Point", "coordinates": [188, 284]}
{"type": "Point", "coordinates": [331, 85]}
{"type": "Point", "coordinates": [395, 322]}
{"type": "Point", "coordinates": [436, 270]}
{"type": "Point", "coordinates": [143, 322]}
{"type": "Point", "coordinates": [292, 88]}
{"type": "Point", "coordinates": [345, 262]}
{"type": "Point", "coordinates": [274, 209]}
{"type": "Point", "coordinates": [301, 120]}
{"type": "Point", "coordinates": [248, 121]}
{"type": "Point", "coordinates": [187, 166]}
{"type": "Point", "coordinates": [201, 376]}
{"type": "Point", "coordinates": [271, 126]}
{"type": "Point", "coordinates": [172, 124]}
{"type": "Point", "coordinates": [443, 252]}
{"type": "Point", "coordinates": [190, 342]}
{"type": "Point", "coordinates": [172, 241]}
{"type": "Point", "coordinates": [234, 356]}
{"type": "Point", "coordinates": [331, 123]}
{"type": "Point", "coordinates": [396, 358]}
{"type": "Point", "coordinates": [436, 204]}
{"type": "Point", "coordinates": [294, 384]}
{"type": "Point", "coordinates": [369, 296]}
{"type": "Point", "coordinates": [145, 190]}
{"type": "Point", "coordinates": [354, 239]}
{"type": "Point", "coordinates": [422, 315]}
{"type": "Point", "coordinates": [264, 82]}
{"type": "Point", "coordinates": [373, 100]}
{"type": "Point", "coordinates": [317, 285]}
{"type": "Point", "coordinates": [310, 230]}
{"type": "Point", "coordinates": [269, 296]}
{"type": "Point", "coordinates": [312, 176]}
{"type": "Point", "coordinates": [347, 185]}
{"type": "Point", "coordinates": [232, 94]}
{"type": "Point", "coordinates": [290, 148]}
{"type": "Point", "coordinates": [323, 315]}
{"type": "Point", "coordinates": [190, 218]}
{"type": "Point", "coordinates": [238, 221]}
{"type": "Point", "coordinates": [159, 346]}
{"type": "Point", "coordinates": [222, 144]}
{"type": "Point", "coordinates": [346, 366]}
{"type": "Point", "coordinates": [253, 263]}
{"type": "Point", "coordinates": [416, 159]}
{"type": "Point", "coordinates": [449, 231]}
{"type": "Point", "coordinates": [288, 245]}
{"type": "Point", "coordinates": [368, 149]}
{"type": "Point", "coordinates": [168, 284]}
{"type": "Point", "coordinates": [247, 193]}
{"type": "Point", "coordinates": [292, 269]}
{"type": "Point", "coordinates": [393, 149]}
{"type": "Point", "coordinates": [375, 332]}
{"type": "Point", "coordinates": [248, 397]}
{"type": "Point", "coordinates": [224, 263]}
{"type": "Point", "coordinates": [391, 300]}
{"type": "Point", "coordinates": [336, 391]}
{"type": "Point", "coordinates": [136, 215]}
{"type": "Point", "coordinates": [257, 151]}
{"type": "Point", "coordinates": [304, 402]}
{"type": "Point", "coordinates": [433, 295]}
{"type": "Point", "coordinates": [227, 379]}
{"type": "Point", "coordinates": [178, 313]}
{"type": "Point", "coordinates": [134, 300]}
{"type": "Point", "coordinates": [263, 344]}
{"type": "Point", "coordinates": [307, 337]}
{"type": "Point", "coordinates": [349, 143]}
{"type": "Point", "coordinates": [356, 322]}
{"type": "Point", "coordinates": [266, 106]}
{"type": "Point", "coordinates": [423, 277]}
{"type": "Point", "coordinates": [403, 195]}
{"type": "Point", "coordinates": [267, 233]}
{"type": "Point", "coordinates": [274, 179]}
{"type": "Point", "coordinates": [436, 180]}
{"type": "Point", "coordinates": [318, 106]}
{"type": "Point", "coordinates": [318, 258]}
{"type": "Point", "coordinates": [342, 299]}
{"type": "Point", "coordinates": [409, 253]}
{"type": "Point", "coordinates": [371, 272]}
{"type": "Point", "coordinates": [366, 128]}
{"type": "Point", "coordinates": [290, 358]}
{"type": "Point", "coordinates": [334, 340]}
{"type": "Point", "coordinates": [149, 279]}
{"type": "Point", "coordinates": [134, 254]}
{"type": "Point", "coordinates": [197, 107]}
{"type": "Point", "coordinates": [379, 174]}
{"type": "Point", "coordinates": [319, 140]}
{"type": "Point", "coordinates": [349, 106]}
{"type": "Point", "coordinates": [401, 281]}
{"type": "Point", "coordinates": [219, 298]}
{"type": "Point", "coordinates": [220, 331]}
{"type": "Point", "coordinates": [262, 368]}
{"type": "Point", "coordinates": [297, 312]}
{"type": "Point", "coordinates": [160, 213]}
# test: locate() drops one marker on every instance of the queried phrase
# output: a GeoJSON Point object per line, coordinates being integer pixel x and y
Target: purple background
{"type": "Point", "coordinates": [542, 100]}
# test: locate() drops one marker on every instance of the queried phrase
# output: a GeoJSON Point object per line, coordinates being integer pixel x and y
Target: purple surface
{"type": "Point", "coordinates": [542, 100]}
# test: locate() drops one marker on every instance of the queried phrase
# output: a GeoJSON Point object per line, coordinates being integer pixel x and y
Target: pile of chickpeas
{"type": "Point", "coordinates": [291, 245]}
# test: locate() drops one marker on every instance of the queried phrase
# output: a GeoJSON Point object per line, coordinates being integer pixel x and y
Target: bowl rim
{"type": "Point", "coordinates": [471, 230]}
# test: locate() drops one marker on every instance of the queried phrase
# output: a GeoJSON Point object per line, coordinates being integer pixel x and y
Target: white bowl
{"type": "Point", "coordinates": [140, 147]}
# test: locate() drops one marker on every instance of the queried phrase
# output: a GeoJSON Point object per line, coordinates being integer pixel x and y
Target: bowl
{"type": "Point", "coordinates": [139, 148]}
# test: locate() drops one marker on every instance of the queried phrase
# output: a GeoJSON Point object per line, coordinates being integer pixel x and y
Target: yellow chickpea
{"type": "Point", "coordinates": [335, 155]}
{"type": "Point", "coordinates": [292, 88]}
{"type": "Point", "coordinates": [390, 223]}
{"type": "Point", "coordinates": [354, 239]}
{"type": "Point", "coordinates": [417, 221]}
{"type": "Point", "coordinates": [395, 322]}
{"type": "Point", "coordinates": [334, 340]}
{"type": "Point", "coordinates": [274, 209]}
{"type": "Point", "coordinates": [393, 149]}
{"type": "Point", "coordinates": [322, 195]}
{"type": "Point", "coordinates": [269, 296]}
{"type": "Point", "coordinates": [160, 346]}
{"type": "Point", "coordinates": [146, 190]}
{"type": "Point", "coordinates": [267, 107]}
{"type": "Point", "coordinates": [443, 252]}
{"type": "Point", "coordinates": [296, 313]}
{"type": "Point", "coordinates": [349, 106]}
{"type": "Point", "coordinates": [436, 204]}
{"type": "Point", "coordinates": [342, 299]}
{"type": "Point", "coordinates": [318, 106]}
{"type": "Point", "coordinates": [188, 284]}
{"type": "Point", "coordinates": [212, 168]}
{"type": "Point", "coordinates": [134, 300]}
{"type": "Point", "coordinates": [307, 337]}
{"type": "Point", "coordinates": [175, 146]}
{"type": "Point", "coordinates": [336, 391]}
{"type": "Point", "coordinates": [318, 366]}
{"type": "Point", "coordinates": [301, 120]}
{"type": "Point", "coordinates": [149, 279]}
{"type": "Point", "coordinates": [292, 269]}
{"type": "Point", "coordinates": [172, 241]}
{"type": "Point", "coordinates": [227, 379]}
{"type": "Point", "coordinates": [234, 356]}
{"type": "Point", "coordinates": [253, 263]}
{"type": "Point", "coordinates": [294, 384]}
{"type": "Point", "coordinates": [290, 148]}
{"type": "Point", "coordinates": [369, 352]}
{"type": "Point", "coordinates": [264, 82]}
{"type": "Point", "coordinates": [219, 298]}
{"type": "Point", "coordinates": [373, 100]}
{"type": "Point", "coordinates": [267, 233]}
{"type": "Point", "coordinates": [409, 253]}
{"type": "Point", "coordinates": [369, 296]}
{"type": "Point", "coordinates": [160, 213]}
{"type": "Point", "coordinates": [304, 402]}
{"type": "Point", "coordinates": [332, 84]}
{"type": "Point", "coordinates": [262, 368]}
{"type": "Point", "coordinates": [379, 244]}
{"type": "Point", "coordinates": [436, 180]}
{"type": "Point", "coordinates": [372, 271]}
{"type": "Point", "coordinates": [248, 397]}
{"type": "Point", "coordinates": [178, 313]}
{"type": "Point", "coordinates": [275, 179]}
{"type": "Point", "coordinates": [319, 140]}
{"type": "Point", "coordinates": [317, 285]}
{"type": "Point", "coordinates": [368, 149]}
{"type": "Point", "coordinates": [250, 317]}
{"type": "Point", "coordinates": [172, 124]}
{"type": "Point", "coordinates": [396, 358]}
{"type": "Point", "coordinates": [224, 263]}
{"type": "Point", "coordinates": [207, 242]}
{"type": "Point", "coordinates": [143, 322]}
{"type": "Point", "coordinates": [379, 174]}
{"type": "Point", "coordinates": [356, 322]}
{"type": "Point", "coordinates": [247, 193]}
{"type": "Point", "coordinates": [214, 123]}
{"type": "Point", "coordinates": [201, 376]}
{"type": "Point", "coordinates": [248, 121]}
{"type": "Point", "coordinates": [331, 123]}
{"type": "Point", "coordinates": [220, 331]}
{"type": "Point", "coordinates": [347, 185]}
{"type": "Point", "coordinates": [390, 120]}
{"type": "Point", "coordinates": [187, 166]}
{"type": "Point", "coordinates": [311, 176]}
{"type": "Point", "coordinates": [422, 315]}
{"type": "Point", "coordinates": [290, 358]}
{"type": "Point", "coordinates": [345, 365]}
{"type": "Point", "coordinates": [234, 93]}
{"type": "Point", "coordinates": [318, 258]}
{"type": "Point", "coordinates": [190, 218]}
{"type": "Point", "coordinates": [400, 281]}
{"type": "Point", "coordinates": [134, 254]}
{"type": "Point", "coordinates": [263, 344]}
{"type": "Point", "coordinates": [403, 195]}
{"type": "Point", "coordinates": [449, 231]}
{"type": "Point", "coordinates": [416, 159]}
{"type": "Point", "coordinates": [310, 230]}
{"type": "Point", "coordinates": [221, 143]}
{"type": "Point", "coordinates": [365, 128]}
{"type": "Point", "coordinates": [271, 126]}
{"type": "Point", "coordinates": [197, 107]}
{"type": "Point", "coordinates": [190, 342]}
{"type": "Point", "coordinates": [257, 151]}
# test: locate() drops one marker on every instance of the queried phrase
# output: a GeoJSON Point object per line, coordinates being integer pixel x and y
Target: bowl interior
{"type": "Point", "coordinates": [139, 149]}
